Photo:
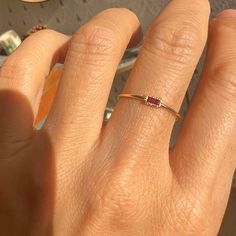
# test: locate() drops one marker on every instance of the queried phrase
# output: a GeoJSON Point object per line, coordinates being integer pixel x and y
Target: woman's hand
{"type": "Point", "coordinates": [78, 177]}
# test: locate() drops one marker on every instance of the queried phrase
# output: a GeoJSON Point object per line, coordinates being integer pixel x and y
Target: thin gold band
{"type": "Point", "coordinates": [152, 101]}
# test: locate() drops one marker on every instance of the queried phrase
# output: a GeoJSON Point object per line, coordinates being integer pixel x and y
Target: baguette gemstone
{"type": "Point", "coordinates": [153, 101]}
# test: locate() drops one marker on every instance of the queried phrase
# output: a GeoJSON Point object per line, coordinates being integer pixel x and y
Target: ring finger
{"type": "Point", "coordinates": [166, 63]}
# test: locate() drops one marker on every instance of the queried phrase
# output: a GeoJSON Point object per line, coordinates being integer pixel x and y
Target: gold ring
{"type": "Point", "coordinates": [153, 102]}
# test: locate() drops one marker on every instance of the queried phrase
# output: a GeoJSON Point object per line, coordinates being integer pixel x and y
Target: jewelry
{"type": "Point", "coordinates": [153, 102]}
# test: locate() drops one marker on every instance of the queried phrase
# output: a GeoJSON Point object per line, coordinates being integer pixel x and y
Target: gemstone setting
{"type": "Point", "coordinates": [155, 102]}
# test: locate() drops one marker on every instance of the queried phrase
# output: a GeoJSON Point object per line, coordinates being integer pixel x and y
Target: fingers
{"type": "Point", "coordinates": [93, 56]}
{"type": "Point", "coordinates": [209, 130]}
{"type": "Point", "coordinates": [167, 60]}
{"type": "Point", "coordinates": [26, 69]}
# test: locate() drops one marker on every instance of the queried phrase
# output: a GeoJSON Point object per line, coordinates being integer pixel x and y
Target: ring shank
{"type": "Point", "coordinates": [145, 99]}
{"type": "Point", "coordinates": [178, 116]}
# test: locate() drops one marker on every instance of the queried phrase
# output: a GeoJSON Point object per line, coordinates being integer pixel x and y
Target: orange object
{"type": "Point", "coordinates": [49, 93]}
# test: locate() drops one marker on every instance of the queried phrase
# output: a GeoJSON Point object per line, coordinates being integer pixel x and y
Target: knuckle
{"type": "Point", "coordinates": [94, 44]}
{"type": "Point", "coordinates": [223, 81]}
{"type": "Point", "coordinates": [219, 29]}
{"type": "Point", "coordinates": [224, 21]}
{"type": "Point", "coordinates": [222, 26]}
{"type": "Point", "coordinates": [96, 35]}
{"type": "Point", "coordinates": [178, 43]}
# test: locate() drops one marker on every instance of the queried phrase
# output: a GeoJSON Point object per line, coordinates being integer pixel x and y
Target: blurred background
{"type": "Point", "coordinates": [66, 16]}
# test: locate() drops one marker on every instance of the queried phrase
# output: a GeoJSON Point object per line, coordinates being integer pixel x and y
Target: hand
{"type": "Point", "coordinates": [78, 177]}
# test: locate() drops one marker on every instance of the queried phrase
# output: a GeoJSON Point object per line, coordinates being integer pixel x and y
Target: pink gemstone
{"type": "Point", "coordinates": [153, 101]}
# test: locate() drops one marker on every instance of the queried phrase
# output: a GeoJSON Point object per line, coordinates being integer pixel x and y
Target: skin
{"type": "Point", "coordinates": [78, 177]}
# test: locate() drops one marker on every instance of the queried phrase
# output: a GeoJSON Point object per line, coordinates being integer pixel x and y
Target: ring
{"type": "Point", "coordinates": [153, 102]}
